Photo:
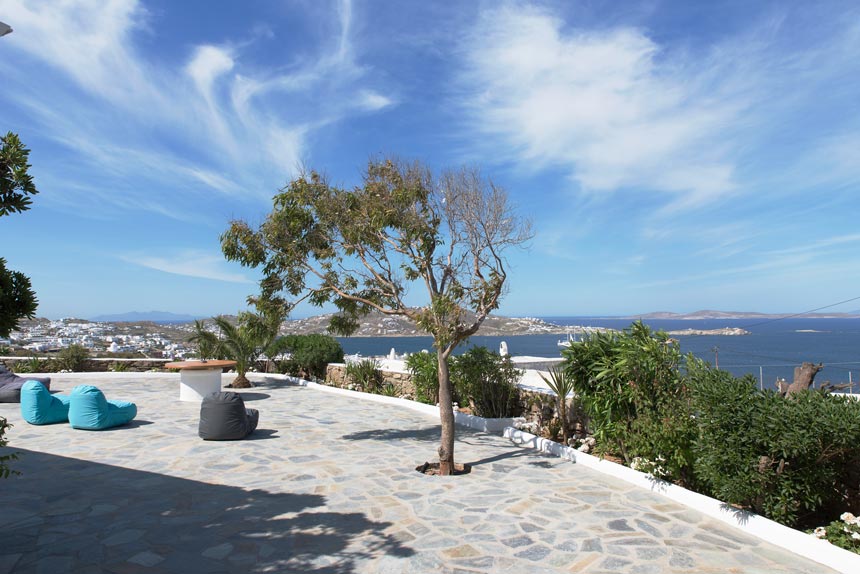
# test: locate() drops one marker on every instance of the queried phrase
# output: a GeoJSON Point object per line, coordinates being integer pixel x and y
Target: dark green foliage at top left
{"type": "Point", "coordinates": [5, 471]}
{"type": "Point", "coordinates": [17, 299]}
{"type": "Point", "coordinates": [16, 184]}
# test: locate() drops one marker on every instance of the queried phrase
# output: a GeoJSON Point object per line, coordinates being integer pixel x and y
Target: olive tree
{"type": "Point", "coordinates": [362, 249]}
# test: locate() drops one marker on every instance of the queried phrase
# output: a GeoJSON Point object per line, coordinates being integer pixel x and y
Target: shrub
{"type": "Point", "coordinates": [424, 368]}
{"type": "Point", "coordinates": [790, 459]}
{"type": "Point", "coordinates": [488, 382]}
{"type": "Point", "coordinates": [72, 358]}
{"type": "Point", "coordinates": [311, 354]}
{"type": "Point", "coordinates": [844, 533]}
{"type": "Point", "coordinates": [5, 471]}
{"type": "Point", "coordinates": [562, 385]}
{"type": "Point", "coordinates": [120, 366]}
{"type": "Point", "coordinates": [630, 387]}
{"type": "Point", "coordinates": [365, 374]}
{"type": "Point", "coordinates": [31, 365]}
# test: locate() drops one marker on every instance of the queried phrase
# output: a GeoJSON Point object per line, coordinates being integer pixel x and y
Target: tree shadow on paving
{"type": "Point", "coordinates": [506, 455]}
{"type": "Point", "coordinates": [85, 514]}
{"type": "Point", "coordinates": [427, 434]}
{"type": "Point", "coordinates": [254, 396]}
{"type": "Point", "coordinates": [273, 383]}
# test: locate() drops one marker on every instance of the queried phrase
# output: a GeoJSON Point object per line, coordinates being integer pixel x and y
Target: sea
{"type": "Point", "coordinates": [771, 350]}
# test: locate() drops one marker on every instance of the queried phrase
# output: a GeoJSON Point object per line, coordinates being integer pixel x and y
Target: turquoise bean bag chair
{"type": "Point", "coordinates": [90, 410]}
{"type": "Point", "coordinates": [40, 407]}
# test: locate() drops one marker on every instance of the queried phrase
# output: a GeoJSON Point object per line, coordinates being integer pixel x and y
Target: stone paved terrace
{"type": "Point", "coordinates": [327, 486]}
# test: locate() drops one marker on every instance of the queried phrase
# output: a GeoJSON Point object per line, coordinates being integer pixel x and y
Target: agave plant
{"type": "Point", "coordinates": [365, 374]}
{"type": "Point", "coordinates": [562, 385]}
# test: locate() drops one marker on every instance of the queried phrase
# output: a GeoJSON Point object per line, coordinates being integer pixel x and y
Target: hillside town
{"type": "Point", "coordinates": [143, 339]}
{"type": "Point", "coordinates": [170, 340]}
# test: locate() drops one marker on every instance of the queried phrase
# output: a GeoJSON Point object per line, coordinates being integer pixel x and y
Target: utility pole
{"type": "Point", "coordinates": [716, 351]}
{"type": "Point", "coordinates": [760, 378]}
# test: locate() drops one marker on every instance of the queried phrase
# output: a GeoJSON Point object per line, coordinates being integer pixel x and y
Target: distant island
{"type": "Point", "coordinates": [151, 316]}
{"type": "Point", "coordinates": [709, 314]}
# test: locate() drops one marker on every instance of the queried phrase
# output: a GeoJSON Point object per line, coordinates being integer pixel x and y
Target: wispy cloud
{"type": "Point", "coordinates": [213, 122]}
{"type": "Point", "coordinates": [621, 112]}
{"type": "Point", "coordinates": [189, 263]}
{"type": "Point", "coordinates": [606, 104]}
{"type": "Point", "coordinates": [816, 247]}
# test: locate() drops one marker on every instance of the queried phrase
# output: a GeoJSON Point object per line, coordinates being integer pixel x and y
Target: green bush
{"type": "Point", "coordinates": [844, 533]}
{"type": "Point", "coordinates": [424, 369]}
{"type": "Point", "coordinates": [31, 365]}
{"type": "Point", "coordinates": [487, 381]}
{"type": "Point", "coordinates": [793, 459]}
{"type": "Point", "coordinates": [790, 459]}
{"type": "Point", "coordinates": [629, 385]}
{"type": "Point", "coordinates": [365, 375]}
{"type": "Point", "coordinates": [72, 358]}
{"type": "Point", "coordinates": [120, 366]}
{"type": "Point", "coordinates": [5, 471]}
{"type": "Point", "coordinates": [311, 354]}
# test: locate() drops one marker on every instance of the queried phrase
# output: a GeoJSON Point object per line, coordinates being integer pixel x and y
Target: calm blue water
{"type": "Point", "coordinates": [775, 347]}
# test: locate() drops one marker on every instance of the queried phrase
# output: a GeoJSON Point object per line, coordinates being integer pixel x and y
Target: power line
{"type": "Point", "coordinates": [803, 313]}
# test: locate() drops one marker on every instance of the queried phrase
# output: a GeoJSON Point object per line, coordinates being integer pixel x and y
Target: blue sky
{"type": "Point", "coordinates": [671, 155]}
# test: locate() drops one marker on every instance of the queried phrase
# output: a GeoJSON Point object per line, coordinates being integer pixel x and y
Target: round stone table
{"type": "Point", "coordinates": [199, 378]}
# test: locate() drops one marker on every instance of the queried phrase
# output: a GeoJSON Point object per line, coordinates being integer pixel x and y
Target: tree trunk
{"type": "Point", "coordinates": [562, 413]}
{"type": "Point", "coordinates": [241, 382]}
{"type": "Point", "coordinates": [446, 416]}
{"type": "Point", "coordinates": [804, 375]}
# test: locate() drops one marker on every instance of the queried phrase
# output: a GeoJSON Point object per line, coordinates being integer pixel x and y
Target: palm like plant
{"type": "Point", "coordinates": [241, 344]}
{"type": "Point", "coordinates": [207, 342]}
{"type": "Point", "coordinates": [562, 385]}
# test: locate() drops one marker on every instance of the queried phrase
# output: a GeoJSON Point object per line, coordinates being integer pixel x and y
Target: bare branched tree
{"type": "Point", "coordinates": [362, 249]}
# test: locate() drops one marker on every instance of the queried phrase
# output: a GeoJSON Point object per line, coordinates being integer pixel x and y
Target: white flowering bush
{"type": "Point", "coordinates": [844, 533]}
{"type": "Point", "coordinates": [653, 467]}
{"type": "Point", "coordinates": [585, 444]}
{"type": "Point", "coordinates": [529, 427]}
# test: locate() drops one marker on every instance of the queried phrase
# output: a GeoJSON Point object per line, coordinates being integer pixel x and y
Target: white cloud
{"type": "Point", "coordinates": [207, 64]}
{"type": "Point", "coordinates": [214, 122]}
{"type": "Point", "coordinates": [606, 105]}
{"type": "Point", "coordinates": [372, 101]}
{"type": "Point", "coordinates": [190, 263]}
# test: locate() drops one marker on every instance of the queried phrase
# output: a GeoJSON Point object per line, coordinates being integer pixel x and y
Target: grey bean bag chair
{"type": "Point", "coordinates": [223, 416]}
{"type": "Point", "coordinates": [10, 385]}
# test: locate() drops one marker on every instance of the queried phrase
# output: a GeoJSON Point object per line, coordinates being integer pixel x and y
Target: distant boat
{"type": "Point", "coordinates": [571, 339]}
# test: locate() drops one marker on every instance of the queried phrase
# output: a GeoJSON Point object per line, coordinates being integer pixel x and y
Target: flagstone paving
{"type": "Point", "coordinates": [327, 485]}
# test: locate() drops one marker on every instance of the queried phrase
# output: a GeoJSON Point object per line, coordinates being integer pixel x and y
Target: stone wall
{"type": "Point", "coordinates": [335, 376]}
{"type": "Point", "coordinates": [96, 365]}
